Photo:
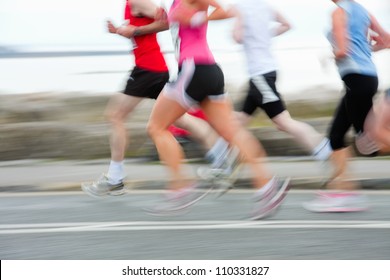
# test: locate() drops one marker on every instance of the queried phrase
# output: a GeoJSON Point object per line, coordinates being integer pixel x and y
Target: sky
{"type": "Point", "coordinates": [45, 22]}
{"type": "Point", "coordinates": [303, 53]}
{"type": "Point", "coordinates": [81, 23]}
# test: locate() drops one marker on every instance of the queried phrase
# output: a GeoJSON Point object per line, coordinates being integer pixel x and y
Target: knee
{"type": "Point", "coordinates": [153, 129]}
{"type": "Point", "coordinates": [366, 145]}
{"type": "Point", "coordinates": [243, 118]}
{"type": "Point", "coordinates": [281, 127]}
{"type": "Point", "coordinates": [337, 141]}
{"type": "Point", "coordinates": [284, 124]}
{"type": "Point", "coordinates": [115, 117]}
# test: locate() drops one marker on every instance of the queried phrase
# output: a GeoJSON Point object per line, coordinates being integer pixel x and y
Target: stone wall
{"type": "Point", "coordinates": [72, 126]}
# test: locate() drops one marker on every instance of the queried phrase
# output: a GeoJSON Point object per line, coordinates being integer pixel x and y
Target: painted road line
{"type": "Point", "coordinates": [188, 225]}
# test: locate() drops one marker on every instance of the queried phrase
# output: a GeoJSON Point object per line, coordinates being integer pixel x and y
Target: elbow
{"type": "Point", "coordinates": [387, 40]}
{"type": "Point", "coordinates": [340, 54]}
{"type": "Point", "coordinates": [237, 36]}
{"type": "Point", "coordinates": [282, 29]}
{"type": "Point", "coordinates": [164, 26]}
{"type": "Point", "coordinates": [288, 26]}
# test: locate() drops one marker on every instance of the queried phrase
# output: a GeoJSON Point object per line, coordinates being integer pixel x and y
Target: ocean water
{"type": "Point", "coordinates": [44, 27]}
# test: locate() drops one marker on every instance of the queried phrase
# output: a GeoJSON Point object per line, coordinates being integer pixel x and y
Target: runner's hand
{"type": "Point", "coordinates": [126, 31]}
{"type": "Point", "coordinates": [111, 27]}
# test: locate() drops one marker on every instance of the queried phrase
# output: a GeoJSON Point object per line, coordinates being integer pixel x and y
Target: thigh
{"type": "Point", "coordinates": [274, 109]}
{"type": "Point", "coordinates": [221, 117]}
{"type": "Point", "coordinates": [121, 105]}
{"type": "Point", "coordinates": [379, 118]}
{"type": "Point", "coordinates": [359, 98]}
{"type": "Point", "coordinates": [207, 82]}
{"type": "Point", "coordinates": [339, 126]}
{"type": "Point", "coordinates": [165, 112]}
{"type": "Point", "coordinates": [253, 100]}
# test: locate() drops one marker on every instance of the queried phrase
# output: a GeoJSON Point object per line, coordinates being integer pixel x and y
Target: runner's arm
{"type": "Point", "coordinates": [238, 29]}
{"type": "Point", "coordinates": [219, 12]}
{"type": "Point", "coordinates": [148, 9]}
{"type": "Point", "coordinates": [339, 33]}
{"type": "Point", "coordinates": [283, 26]}
{"type": "Point", "coordinates": [382, 38]}
{"type": "Point", "coordinates": [196, 13]}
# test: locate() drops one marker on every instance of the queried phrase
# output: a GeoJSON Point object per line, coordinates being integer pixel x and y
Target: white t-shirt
{"type": "Point", "coordinates": [257, 18]}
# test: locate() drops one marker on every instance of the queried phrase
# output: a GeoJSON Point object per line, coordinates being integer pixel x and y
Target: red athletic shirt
{"type": "Point", "coordinates": [147, 53]}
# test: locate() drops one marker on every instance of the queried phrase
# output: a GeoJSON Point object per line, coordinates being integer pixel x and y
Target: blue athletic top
{"type": "Point", "coordinates": [358, 59]}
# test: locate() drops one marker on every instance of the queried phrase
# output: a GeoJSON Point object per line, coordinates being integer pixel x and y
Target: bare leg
{"type": "Point", "coordinates": [118, 109]}
{"type": "Point", "coordinates": [225, 123]}
{"type": "Point", "coordinates": [377, 123]}
{"type": "Point", "coordinates": [302, 133]}
{"type": "Point", "coordinates": [165, 112]}
{"type": "Point", "coordinates": [340, 177]}
{"type": "Point", "coordinates": [200, 130]}
{"type": "Point", "coordinates": [243, 118]}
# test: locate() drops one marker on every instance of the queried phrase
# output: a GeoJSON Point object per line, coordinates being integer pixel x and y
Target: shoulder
{"type": "Point", "coordinates": [143, 7]}
{"type": "Point", "coordinates": [338, 13]}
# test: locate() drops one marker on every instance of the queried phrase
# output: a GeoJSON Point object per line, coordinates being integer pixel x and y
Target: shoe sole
{"type": "Point", "coordinates": [274, 206]}
{"type": "Point", "coordinates": [117, 192]}
{"type": "Point", "coordinates": [223, 183]}
{"type": "Point", "coordinates": [179, 209]}
{"type": "Point", "coordinates": [223, 190]}
{"type": "Point", "coordinates": [86, 188]}
{"type": "Point", "coordinates": [336, 209]}
{"type": "Point", "coordinates": [229, 181]}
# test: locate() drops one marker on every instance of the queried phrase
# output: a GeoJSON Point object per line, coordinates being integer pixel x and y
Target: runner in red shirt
{"type": "Point", "coordinates": [147, 79]}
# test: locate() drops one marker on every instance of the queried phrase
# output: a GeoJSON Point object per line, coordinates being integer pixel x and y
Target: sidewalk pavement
{"type": "Point", "coordinates": [43, 175]}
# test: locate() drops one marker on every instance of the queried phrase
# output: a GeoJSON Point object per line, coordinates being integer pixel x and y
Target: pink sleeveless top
{"type": "Point", "coordinates": [191, 41]}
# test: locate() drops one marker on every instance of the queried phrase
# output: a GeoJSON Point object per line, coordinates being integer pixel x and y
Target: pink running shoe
{"type": "Point", "coordinates": [178, 202]}
{"type": "Point", "coordinates": [335, 202]}
{"type": "Point", "coordinates": [267, 204]}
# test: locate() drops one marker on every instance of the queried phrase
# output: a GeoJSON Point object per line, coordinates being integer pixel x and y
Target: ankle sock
{"type": "Point", "coordinates": [323, 150]}
{"type": "Point", "coordinates": [262, 191]}
{"type": "Point", "coordinates": [115, 172]}
{"type": "Point", "coordinates": [218, 153]}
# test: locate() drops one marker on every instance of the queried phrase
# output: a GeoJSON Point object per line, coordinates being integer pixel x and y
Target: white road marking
{"type": "Point", "coordinates": [188, 225]}
{"type": "Point", "coordinates": [154, 191]}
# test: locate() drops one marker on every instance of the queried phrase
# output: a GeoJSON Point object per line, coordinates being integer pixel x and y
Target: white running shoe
{"type": "Point", "coordinates": [225, 176]}
{"type": "Point", "coordinates": [102, 187]}
{"type": "Point", "coordinates": [337, 202]}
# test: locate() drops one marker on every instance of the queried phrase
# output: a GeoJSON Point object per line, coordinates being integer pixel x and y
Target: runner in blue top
{"type": "Point", "coordinates": [350, 37]}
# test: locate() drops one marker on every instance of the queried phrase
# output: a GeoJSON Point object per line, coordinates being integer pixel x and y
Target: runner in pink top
{"type": "Point", "coordinates": [201, 84]}
{"type": "Point", "coordinates": [193, 41]}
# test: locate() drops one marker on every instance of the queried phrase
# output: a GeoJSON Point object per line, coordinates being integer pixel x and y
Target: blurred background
{"type": "Point", "coordinates": [59, 67]}
{"type": "Point", "coordinates": [58, 63]}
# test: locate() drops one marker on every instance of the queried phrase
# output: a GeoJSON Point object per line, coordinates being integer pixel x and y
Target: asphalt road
{"type": "Point", "coordinates": [71, 225]}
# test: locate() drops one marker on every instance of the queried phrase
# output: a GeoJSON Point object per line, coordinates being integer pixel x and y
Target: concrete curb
{"type": "Point", "coordinates": [151, 185]}
{"type": "Point", "coordinates": [64, 176]}
{"type": "Point", "coordinates": [72, 126]}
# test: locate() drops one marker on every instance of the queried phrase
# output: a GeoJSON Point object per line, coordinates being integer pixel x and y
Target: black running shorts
{"type": "Point", "coordinates": [262, 94]}
{"type": "Point", "coordinates": [207, 81]}
{"type": "Point", "coordinates": [145, 83]}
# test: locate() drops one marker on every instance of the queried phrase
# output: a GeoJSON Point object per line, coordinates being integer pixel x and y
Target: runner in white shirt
{"type": "Point", "coordinates": [255, 33]}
